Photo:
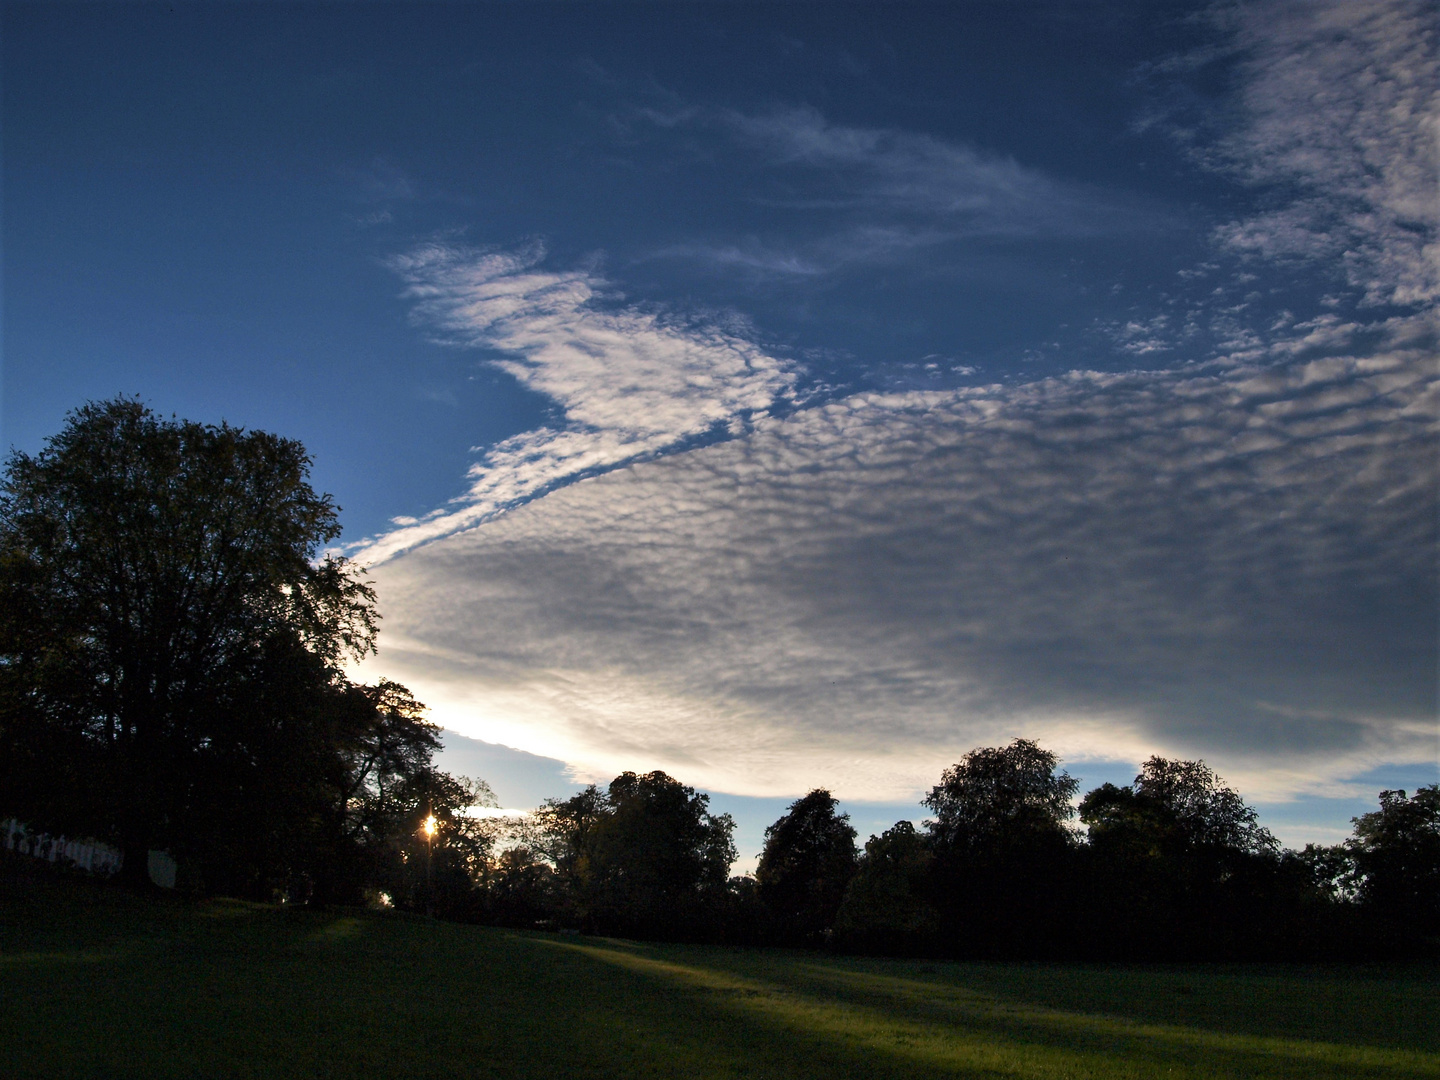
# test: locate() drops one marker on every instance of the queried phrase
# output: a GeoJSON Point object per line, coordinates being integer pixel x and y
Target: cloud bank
{"type": "Point", "coordinates": [1233, 559]}
{"type": "Point", "coordinates": [1237, 564]}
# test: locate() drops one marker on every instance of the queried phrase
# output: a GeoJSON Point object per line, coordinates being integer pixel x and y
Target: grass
{"type": "Point", "coordinates": [98, 983]}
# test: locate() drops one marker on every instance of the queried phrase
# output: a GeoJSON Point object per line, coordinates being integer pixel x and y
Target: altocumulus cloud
{"type": "Point", "coordinates": [1341, 107]}
{"type": "Point", "coordinates": [629, 384]}
{"type": "Point", "coordinates": [1235, 563]}
{"type": "Point", "coordinates": [1233, 559]}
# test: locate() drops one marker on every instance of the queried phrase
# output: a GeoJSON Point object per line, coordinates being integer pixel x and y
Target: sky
{"type": "Point", "coordinates": [793, 395]}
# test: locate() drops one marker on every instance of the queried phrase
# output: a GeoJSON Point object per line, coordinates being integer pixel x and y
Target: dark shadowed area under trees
{"type": "Point", "coordinates": [172, 645]}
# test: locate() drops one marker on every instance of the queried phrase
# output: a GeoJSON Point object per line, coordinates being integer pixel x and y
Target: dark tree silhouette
{"type": "Point", "coordinates": [999, 796]}
{"type": "Point", "coordinates": [519, 890]}
{"type": "Point", "coordinates": [1002, 850]}
{"type": "Point", "coordinates": [645, 857]}
{"type": "Point", "coordinates": [171, 642]}
{"type": "Point", "coordinates": [1396, 853]}
{"type": "Point", "coordinates": [1179, 864]}
{"type": "Point", "coordinates": [808, 860]}
{"type": "Point", "coordinates": [385, 784]}
{"type": "Point", "coordinates": [887, 907]}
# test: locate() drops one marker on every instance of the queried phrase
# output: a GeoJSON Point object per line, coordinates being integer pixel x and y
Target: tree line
{"type": "Point", "coordinates": [173, 641]}
{"type": "Point", "coordinates": [1173, 866]}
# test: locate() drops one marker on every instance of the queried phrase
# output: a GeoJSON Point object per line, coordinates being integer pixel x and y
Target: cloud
{"type": "Point", "coordinates": [692, 569]}
{"type": "Point", "coordinates": [751, 257]}
{"type": "Point", "coordinates": [905, 171]}
{"type": "Point", "coordinates": [1235, 563]}
{"type": "Point", "coordinates": [1340, 112]}
{"type": "Point", "coordinates": [877, 194]}
{"type": "Point", "coordinates": [629, 384]}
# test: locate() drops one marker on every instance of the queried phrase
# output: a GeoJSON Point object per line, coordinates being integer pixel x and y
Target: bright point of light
{"type": "Point", "coordinates": [429, 826]}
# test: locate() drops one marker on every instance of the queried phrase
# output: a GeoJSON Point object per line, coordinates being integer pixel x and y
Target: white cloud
{"type": "Point", "coordinates": [900, 170]}
{"type": "Point", "coordinates": [1340, 111]}
{"type": "Point", "coordinates": [1235, 563]}
{"type": "Point", "coordinates": [630, 383]}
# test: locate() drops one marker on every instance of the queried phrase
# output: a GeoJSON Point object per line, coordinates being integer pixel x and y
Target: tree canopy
{"type": "Point", "coordinates": [888, 906]}
{"type": "Point", "coordinates": [1001, 843]}
{"type": "Point", "coordinates": [1001, 796]}
{"type": "Point", "coordinates": [808, 860]}
{"type": "Point", "coordinates": [171, 646]}
{"type": "Point", "coordinates": [644, 857]}
{"type": "Point", "coordinates": [1396, 853]}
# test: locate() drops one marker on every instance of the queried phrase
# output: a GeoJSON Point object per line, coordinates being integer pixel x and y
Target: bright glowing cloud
{"type": "Point", "coordinates": [629, 383]}
{"type": "Point", "coordinates": [1233, 563]}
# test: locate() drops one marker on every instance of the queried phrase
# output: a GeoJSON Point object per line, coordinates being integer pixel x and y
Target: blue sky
{"type": "Point", "coordinates": [787, 395]}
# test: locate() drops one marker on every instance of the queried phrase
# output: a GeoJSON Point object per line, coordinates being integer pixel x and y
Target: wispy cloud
{"type": "Point", "coordinates": [629, 384]}
{"type": "Point", "coordinates": [879, 193]}
{"type": "Point", "coordinates": [906, 171]}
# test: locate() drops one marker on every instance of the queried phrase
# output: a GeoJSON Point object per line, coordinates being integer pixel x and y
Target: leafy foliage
{"type": "Point", "coordinates": [1396, 853]}
{"type": "Point", "coordinates": [808, 860]}
{"type": "Point", "coordinates": [171, 642]}
{"type": "Point", "coordinates": [997, 797]}
{"type": "Point", "coordinates": [1000, 841]}
{"type": "Point", "coordinates": [644, 857]}
{"type": "Point", "coordinates": [888, 907]}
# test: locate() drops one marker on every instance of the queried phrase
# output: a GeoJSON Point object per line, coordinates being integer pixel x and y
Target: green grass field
{"type": "Point", "coordinates": [94, 982]}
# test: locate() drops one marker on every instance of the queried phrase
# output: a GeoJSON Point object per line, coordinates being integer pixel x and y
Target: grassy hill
{"type": "Point", "coordinates": [95, 982]}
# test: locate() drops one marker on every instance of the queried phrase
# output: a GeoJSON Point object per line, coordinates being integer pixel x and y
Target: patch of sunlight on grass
{"type": "Point", "coordinates": [858, 1026]}
{"type": "Point", "coordinates": [917, 993]}
{"type": "Point", "coordinates": [943, 1027]}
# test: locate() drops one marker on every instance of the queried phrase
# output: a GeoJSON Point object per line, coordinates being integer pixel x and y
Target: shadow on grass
{"type": "Point", "coordinates": [876, 1022]}
{"type": "Point", "coordinates": [97, 983]}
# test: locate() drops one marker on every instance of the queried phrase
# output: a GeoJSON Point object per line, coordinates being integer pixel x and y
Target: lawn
{"type": "Point", "coordinates": [94, 982]}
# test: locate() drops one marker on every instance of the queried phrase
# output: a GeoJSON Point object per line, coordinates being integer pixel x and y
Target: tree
{"type": "Point", "coordinates": [887, 906]}
{"type": "Point", "coordinates": [159, 579]}
{"type": "Point", "coordinates": [645, 857]}
{"type": "Point", "coordinates": [1002, 850]}
{"type": "Point", "coordinates": [1396, 851]}
{"type": "Point", "coordinates": [1202, 810]}
{"type": "Point", "coordinates": [519, 889]}
{"type": "Point", "coordinates": [808, 860]}
{"type": "Point", "coordinates": [1175, 806]}
{"type": "Point", "coordinates": [1001, 798]}
{"type": "Point", "coordinates": [1179, 864]}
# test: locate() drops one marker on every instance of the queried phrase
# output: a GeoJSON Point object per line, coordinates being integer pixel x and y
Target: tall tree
{"type": "Point", "coordinates": [644, 857]}
{"type": "Point", "coordinates": [1179, 864]}
{"type": "Point", "coordinates": [1396, 851]}
{"type": "Point", "coordinates": [888, 906]}
{"type": "Point", "coordinates": [1001, 797]}
{"type": "Point", "coordinates": [157, 577]}
{"type": "Point", "coordinates": [1002, 848]}
{"type": "Point", "coordinates": [808, 860]}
